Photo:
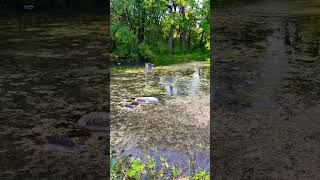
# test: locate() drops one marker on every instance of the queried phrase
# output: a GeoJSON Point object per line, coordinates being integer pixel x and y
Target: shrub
{"type": "Point", "coordinates": [145, 52]}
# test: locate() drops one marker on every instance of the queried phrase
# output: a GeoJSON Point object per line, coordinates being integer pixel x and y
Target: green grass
{"type": "Point", "coordinates": [161, 57]}
{"type": "Point", "coordinates": [166, 59]}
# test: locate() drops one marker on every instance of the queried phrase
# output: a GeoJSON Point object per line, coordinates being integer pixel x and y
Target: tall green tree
{"type": "Point", "coordinates": [143, 28]}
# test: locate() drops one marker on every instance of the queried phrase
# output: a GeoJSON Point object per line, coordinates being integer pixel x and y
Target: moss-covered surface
{"type": "Point", "coordinates": [53, 72]}
{"type": "Point", "coordinates": [266, 73]}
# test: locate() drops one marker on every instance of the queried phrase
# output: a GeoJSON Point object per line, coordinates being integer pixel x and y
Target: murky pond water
{"type": "Point", "coordinates": [53, 72]}
{"type": "Point", "coordinates": [267, 90]}
{"type": "Point", "coordinates": [173, 127]}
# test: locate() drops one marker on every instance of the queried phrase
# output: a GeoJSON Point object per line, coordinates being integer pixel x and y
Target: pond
{"type": "Point", "coordinates": [173, 127]}
{"type": "Point", "coordinates": [53, 72]}
{"type": "Point", "coordinates": [267, 90]}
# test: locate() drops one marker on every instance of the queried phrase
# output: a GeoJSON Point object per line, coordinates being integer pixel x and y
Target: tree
{"type": "Point", "coordinates": [181, 24]}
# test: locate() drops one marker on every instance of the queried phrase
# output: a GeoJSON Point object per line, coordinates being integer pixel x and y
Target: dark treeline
{"type": "Point", "coordinates": [54, 6]}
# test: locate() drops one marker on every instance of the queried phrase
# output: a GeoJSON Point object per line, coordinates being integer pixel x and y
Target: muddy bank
{"type": "Point", "coordinates": [267, 100]}
{"type": "Point", "coordinates": [53, 73]}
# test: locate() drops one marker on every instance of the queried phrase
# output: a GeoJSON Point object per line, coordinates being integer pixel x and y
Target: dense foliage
{"type": "Point", "coordinates": [148, 29]}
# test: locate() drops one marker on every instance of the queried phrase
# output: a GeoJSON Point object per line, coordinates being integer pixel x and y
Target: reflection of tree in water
{"type": "Point", "coordinates": [303, 36]}
{"type": "Point", "coordinates": [290, 34]}
{"type": "Point", "coordinates": [195, 82]}
{"type": "Point", "coordinates": [310, 34]}
{"type": "Point", "coordinates": [170, 86]}
{"type": "Point", "coordinates": [175, 85]}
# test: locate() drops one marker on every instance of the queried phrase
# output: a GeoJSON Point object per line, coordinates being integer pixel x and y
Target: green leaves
{"type": "Point", "coordinates": [160, 172]}
{"type": "Point", "coordinates": [131, 172]}
{"type": "Point", "coordinates": [137, 165]}
{"type": "Point", "coordinates": [115, 166]}
{"type": "Point", "coordinates": [165, 165]}
{"type": "Point", "coordinates": [135, 168]}
{"type": "Point", "coordinates": [151, 163]}
{"type": "Point", "coordinates": [162, 159]}
{"type": "Point", "coordinates": [201, 175]}
{"type": "Point", "coordinates": [145, 52]}
{"type": "Point", "coordinates": [175, 172]}
{"type": "Point", "coordinates": [151, 22]}
{"type": "Point", "coordinates": [200, 146]}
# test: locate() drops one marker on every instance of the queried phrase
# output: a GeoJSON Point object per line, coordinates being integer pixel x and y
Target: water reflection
{"type": "Point", "coordinates": [301, 36]}
{"type": "Point", "coordinates": [267, 88]}
{"type": "Point", "coordinates": [169, 85]}
{"type": "Point", "coordinates": [176, 84]}
{"type": "Point", "coordinates": [195, 82]}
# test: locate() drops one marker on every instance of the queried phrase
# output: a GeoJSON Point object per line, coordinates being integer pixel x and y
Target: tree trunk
{"type": "Point", "coordinates": [189, 38]}
{"type": "Point", "coordinates": [141, 28]}
{"type": "Point", "coordinates": [183, 30]}
{"type": "Point", "coordinates": [201, 44]}
{"type": "Point", "coordinates": [170, 47]}
{"type": "Point", "coordinates": [171, 38]}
